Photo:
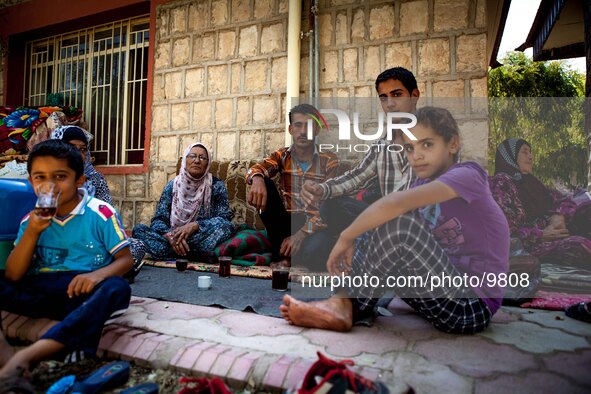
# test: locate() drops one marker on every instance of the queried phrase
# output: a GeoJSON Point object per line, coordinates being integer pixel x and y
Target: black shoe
{"type": "Point", "coordinates": [134, 271]}
{"type": "Point", "coordinates": [579, 311]}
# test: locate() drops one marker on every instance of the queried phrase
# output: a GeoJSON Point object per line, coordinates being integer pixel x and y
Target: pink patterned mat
{"type": "Point", "coordinates": [555, 301]}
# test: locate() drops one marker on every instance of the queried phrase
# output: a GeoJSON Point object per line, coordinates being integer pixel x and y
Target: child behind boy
{"type": "Point", "coordinates": [66, 267]}
{"type": "Point", "coordinates": [447, 224]}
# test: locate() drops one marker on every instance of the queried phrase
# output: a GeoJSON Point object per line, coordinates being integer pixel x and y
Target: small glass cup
{"type": "Point", "coordinates": [225, 267]}
{"type": "Point", "coordinates": [47, 199]}
{"type": "Point", "coordinates": [204, 282]}
{"type": "Point", "coordinates": [181, 264]}
{"type": "Point", "coordinates": [280, 278]}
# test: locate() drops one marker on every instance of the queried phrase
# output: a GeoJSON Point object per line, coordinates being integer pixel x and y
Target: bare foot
{"type": "Point", "coordinates": [6, 351]}
{"type": "Point", "coordinates": [335, 313]}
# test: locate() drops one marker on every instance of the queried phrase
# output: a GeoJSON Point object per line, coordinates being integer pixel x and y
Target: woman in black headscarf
{"type": "Point", "coordinates": [549, 223]}
{"type": "Point", "coordinates": [95, 184]}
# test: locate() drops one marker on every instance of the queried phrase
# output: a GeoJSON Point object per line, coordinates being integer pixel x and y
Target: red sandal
{"type": "Point", "coordinates": [329, 376]}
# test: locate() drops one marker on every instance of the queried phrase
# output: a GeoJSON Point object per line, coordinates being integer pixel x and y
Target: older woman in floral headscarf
{"type": "Point", "coordinates": [193, 215]}
{"type": "Point", "coordinates": [550, 224]}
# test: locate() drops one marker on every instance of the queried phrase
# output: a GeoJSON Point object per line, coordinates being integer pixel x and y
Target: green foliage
{"type": "Point", "coordinates": [541, 102]}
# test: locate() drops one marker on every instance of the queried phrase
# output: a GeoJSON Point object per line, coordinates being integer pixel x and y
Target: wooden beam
{"type": "Point", "coordinates": [565, 52]}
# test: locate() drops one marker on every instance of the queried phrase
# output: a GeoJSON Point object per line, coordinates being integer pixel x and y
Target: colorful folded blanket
{"type": "Point", "coordinates": [247, 247]}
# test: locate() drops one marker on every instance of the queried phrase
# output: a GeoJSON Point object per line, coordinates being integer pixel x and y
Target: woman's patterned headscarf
{"type": "Point", "coordinates": [534, 196]}
{"type": "Point", "coordinates": [189, 194]}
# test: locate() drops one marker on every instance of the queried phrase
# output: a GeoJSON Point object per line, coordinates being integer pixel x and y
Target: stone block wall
{"type": "Point", "coordinates": [219, 77]}
{"type": "Point", "coordinates": [220, 71]}
{"type": "Point", "coordinates": [443, 42]}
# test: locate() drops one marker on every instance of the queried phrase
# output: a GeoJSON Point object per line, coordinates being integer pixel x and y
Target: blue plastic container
{"type": "Point", "coordinates": [17, 198]}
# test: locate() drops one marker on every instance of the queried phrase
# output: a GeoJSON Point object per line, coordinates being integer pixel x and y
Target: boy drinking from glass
{"type": "Point", "coordinates": [67, 267]}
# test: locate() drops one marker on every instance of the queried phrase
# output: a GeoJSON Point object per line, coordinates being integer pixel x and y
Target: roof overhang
{"type": "Point", "coordinates": [558, 31]}
{"type": "Point", "coordinates": [496, 11]}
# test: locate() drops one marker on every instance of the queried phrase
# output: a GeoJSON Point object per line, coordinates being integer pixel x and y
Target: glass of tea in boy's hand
{"type": "Point", "coordinates": [47, 197]}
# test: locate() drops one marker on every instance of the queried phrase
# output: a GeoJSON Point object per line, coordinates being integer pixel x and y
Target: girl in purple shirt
{"type": "Point", "coordinates": [447, 232]}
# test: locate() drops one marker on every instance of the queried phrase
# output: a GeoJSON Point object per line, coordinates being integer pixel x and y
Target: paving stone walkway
{"type": "Point", "coordinates": [523, 351]}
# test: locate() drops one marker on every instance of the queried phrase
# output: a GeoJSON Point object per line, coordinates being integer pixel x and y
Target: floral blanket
{"type": "Point", "coordinates": [247, 247]}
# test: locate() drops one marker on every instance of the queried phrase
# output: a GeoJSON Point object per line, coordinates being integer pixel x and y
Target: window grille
{"type": "Point", "coordinates": [102, 70]}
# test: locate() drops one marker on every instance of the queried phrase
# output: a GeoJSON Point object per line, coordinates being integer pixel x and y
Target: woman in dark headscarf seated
{"type": "Point", "coordinates": [95, 184]}
{"type": "Point", "coordinates": [548, 223]}
{"type": "Point", "coordinates": [193, 215]}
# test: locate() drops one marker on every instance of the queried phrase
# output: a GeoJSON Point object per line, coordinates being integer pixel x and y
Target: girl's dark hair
{"type": "Point", "coordinates": [440, 120]}
{"type": "Point", "coordinates": [57, 149]}
{"type": "Point", "coordinates": [401, 74]}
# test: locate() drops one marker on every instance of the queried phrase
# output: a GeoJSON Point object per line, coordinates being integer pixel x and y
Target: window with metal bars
{"type": "Point", "coordinates": [102, 70]}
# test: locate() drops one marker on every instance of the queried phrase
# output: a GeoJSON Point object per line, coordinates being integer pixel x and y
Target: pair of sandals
{"type": "Point", "coordinates": [580, 311]}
